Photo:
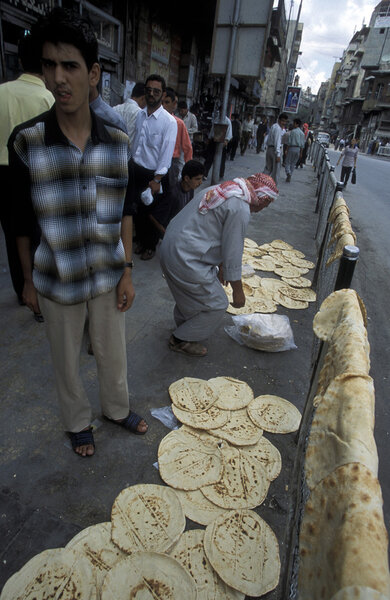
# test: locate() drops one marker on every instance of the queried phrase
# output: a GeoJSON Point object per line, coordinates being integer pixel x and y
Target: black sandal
{"type": "Point", "coordinates": [82, 438]}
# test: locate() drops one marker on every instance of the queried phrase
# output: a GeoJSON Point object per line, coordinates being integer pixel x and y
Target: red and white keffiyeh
{"type": "Point", "coordinates": [258, 190]}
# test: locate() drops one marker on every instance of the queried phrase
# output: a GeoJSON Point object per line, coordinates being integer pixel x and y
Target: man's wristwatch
{"type": "Point", "coordinates": [129, 264]}
{"type": "Point", "coordinates": [156, 180]}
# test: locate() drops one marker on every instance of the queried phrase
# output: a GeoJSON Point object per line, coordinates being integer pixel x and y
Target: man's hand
{"type": "Point", "coordinates": [155, 187]}
{"type": "Point", "coordinates": [30, 297]}
{"type": "Point", "coordinates": [238, 294]}
{"type": "Point", "coordinates": [125, 292]}
{"type": "Point", "coordinates": [238, 299]}
{"type": "Point", "coordinates": [220, 275]}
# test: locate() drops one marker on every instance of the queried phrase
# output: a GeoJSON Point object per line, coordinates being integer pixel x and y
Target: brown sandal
{"type": "Point", "coordinates": [189, 348]}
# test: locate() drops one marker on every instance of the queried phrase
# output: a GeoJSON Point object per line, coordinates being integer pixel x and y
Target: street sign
{"type": "Point", "coordinates": [252, 34]}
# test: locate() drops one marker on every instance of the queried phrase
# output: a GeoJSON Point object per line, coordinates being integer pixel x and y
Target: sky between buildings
{"type": "Point", "coordinates": [328, 27]}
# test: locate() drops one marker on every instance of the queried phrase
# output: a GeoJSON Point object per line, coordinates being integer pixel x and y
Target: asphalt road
{"type": "Point", "coordinates": [369, 204]}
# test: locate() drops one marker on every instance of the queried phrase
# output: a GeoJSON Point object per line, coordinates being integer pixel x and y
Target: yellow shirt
{"type": "Point", "coordinates": [20, 100]}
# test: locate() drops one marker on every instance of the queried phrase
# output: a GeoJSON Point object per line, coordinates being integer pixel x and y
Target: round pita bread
{"type": "Point", "coordinates": [148, 576]}
{"type": "Point", "coordinates": [233, 394]}
{"type": "Point", "coordinates": [299, 282]}
{"type": "Point", "coordinates": [197, 507]}
{"type": "Point", "coordinates": [281, 245]}
{"type": "Point", "coordinates": [239, 430]}
{"type": "Point", "coordinates": [293, 252]}
{"type": "Point", "coordinates": [56, 573]}
{"type": "Point", "coordinates": [192, 394]}
{"type": "Point", "coordinates": [209, 419]}
{"type": "Point", "coordinates": [302, 262]}
{"type": "Point", "coordinates": [271, 284]}
{"type": "Point", "coordinates": [263, 305]}
{"type": "Point", "coordinates": [343, 534]}
{"type": "Point", "coordinates": [146, 517]}
{"type": "Point", "coordinates": [250, 243]}
{"type": "Point", "coordinates": [96, 545]}
{"type": "Point", "coordinates": [189, 552]}
{"type": "Point", "coordinates": [244, 551]}
{"type": "Point", "coordinates": [302, 294]}
{"type": "Point", "coordinates": [248, 290]}
{"type": "Point", "coordinates": [254, 281]}
{"type": "Point", "coordinates": [188, 460]}
{"type": "Point", "coordinates": [267, 454]}
{"type": "Point", "coordinates": [289, 302]}
{"type": "Point", "coordinates": [265, 263]}
{"type": "Point", "coordinates": [244, 310]}
{"type": "Point", "coordinates": [274, 414]}
{"type": "Point", "coordinates": [243, 484]}
{"type": "Point", "coordinates": [290, 271]}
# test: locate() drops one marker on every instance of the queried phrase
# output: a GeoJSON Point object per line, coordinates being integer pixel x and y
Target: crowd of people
{"type": "Point", "coordinates": [89, 179]}
{"type": "Point", "coordinates": [85, 177]}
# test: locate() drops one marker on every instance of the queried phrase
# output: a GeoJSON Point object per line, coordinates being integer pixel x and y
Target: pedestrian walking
{"type": "Point", "coordinates": [182, 152]}
{"type": "Point", "coordinates": [262, 130]}
{"type": "Point", "coordinates": [236, 135]}
{"type": "Point", "coordinates": [295, 145]}
{"type": "Point", "coordinates": [274, 146]}
{"type": "Point", "coordinates": [70, 173]}
{"type": "Point", "coordinates": [349, 156]}
{"type": "Point", "coordinates": [246, 134]}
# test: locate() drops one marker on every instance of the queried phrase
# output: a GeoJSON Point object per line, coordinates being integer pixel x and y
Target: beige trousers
{"type": "Point", "coordinates": [65, 327]}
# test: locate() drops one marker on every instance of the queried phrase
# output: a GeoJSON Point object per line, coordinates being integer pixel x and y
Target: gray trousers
{"type": "Point", "coordinates": [199, 308]}
{"type": "Point", "coordinates": [64, 328]}
{"type": "Point", "coordinates": [271, 166]}
{"type": "Point", "coordinates": [292, 157]}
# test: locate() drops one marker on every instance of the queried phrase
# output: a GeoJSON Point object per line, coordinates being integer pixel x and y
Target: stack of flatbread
{"type": "Point", "coordinates": [342, 232]}
{"type": "Point", "coordinates": [343, 540]}
{"type": "Point", "coordinates": [263, 294]}
{"type": "Point", "coordinates": [218, 466]}
{"type": "Point", "coordinates": [221, 466]}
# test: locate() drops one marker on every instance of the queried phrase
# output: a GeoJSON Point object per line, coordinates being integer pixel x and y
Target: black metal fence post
{"type": "Point", "coordinates": [347, 267]}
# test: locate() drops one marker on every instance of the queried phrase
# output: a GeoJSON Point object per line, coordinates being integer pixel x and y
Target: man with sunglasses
{"type": "Point", "coordinates": [152, 151]}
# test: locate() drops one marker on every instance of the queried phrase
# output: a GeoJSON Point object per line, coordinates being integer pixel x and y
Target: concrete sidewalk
{"type": "Point", "coordinates": [47, 492]}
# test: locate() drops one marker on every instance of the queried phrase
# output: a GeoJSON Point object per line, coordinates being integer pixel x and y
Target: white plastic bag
{"type": "Point", "coordinates": [166, 416]}
{"type": "Point", "coordinates": [147, 197]}
{"type": "Point", "coordinates": [267, 332]}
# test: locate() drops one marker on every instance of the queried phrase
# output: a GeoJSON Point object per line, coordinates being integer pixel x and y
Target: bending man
{"type": "Point", "coordinates": [202, 248]}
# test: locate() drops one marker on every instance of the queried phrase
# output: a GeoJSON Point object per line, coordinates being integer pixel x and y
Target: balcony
{"type": "Point", "coordinates": [279, 24]}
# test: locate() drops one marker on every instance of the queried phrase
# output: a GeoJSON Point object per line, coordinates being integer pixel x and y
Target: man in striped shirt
{"type": "Point", "coordinates": [70, 172]}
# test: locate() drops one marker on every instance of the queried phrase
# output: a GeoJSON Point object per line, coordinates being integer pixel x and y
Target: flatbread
{"type": "Point", "coordinates": [209, 419]}
{"type": "Point", "coordinates": [342, 429]}
{"type": "Point", "coordinates": [96, 545]}
{"type": "Point", "coordinates": [247, 309]}
{"type": "Point", "coordinates": [192, 394]}
{"type": "Point", "coordinates": [290, 271]}
{"type": "Point", "coordinates": [271, 284]}
{"type": "Point", "coordinates": [250, 243]}
{"type": "Point", "coordinates": [343, 535]}
{"type": "Point", "coordinates": [293, 252]}
{"type": "Point", "coordinates": [274, 414]}
{"type": "Point", "coordinates": [302, 262]}
{"type": "Point", "coordinates": [254, 281]}
{"type": "Point", "coordinates": [148, 576]}
{"type": "Point", "coordinates": [187, 460]}
{"type": "Point", "coordinates": [197, 507]}
{"type": "Point", "coordinates": [268, 455]}
{"type": "Point", "coordinates": [265, 263]}
{"type": "Point", "coordinates": [239, 430]}
{"type": "Point", "coordinates": [282, 245]}
{"type": "Point", "coordinates": [55, 573]}
{"type": "Point", "coordinates": [244, 482]}
{"type": "Point", "coordinates": [333, 308]}
{"type": "Point", "coordinates": [244, 551]}
{"type": "Point", "coordinates": [189, 552]}
{"type": "Point", "coordinates": [299, 282]}
{"type": "Point", "coordinates": [358, 592]}
{"type": "Point", "coordinates": [263, 305]}
{"type": "Point", "coordinates": [146, 517]}
{"type": "Point", "coordinates": [302, 294]}
{"type": "Point", "coordinates": [233, 394]}
{"type": "Point", "coordinates": [289, 302]}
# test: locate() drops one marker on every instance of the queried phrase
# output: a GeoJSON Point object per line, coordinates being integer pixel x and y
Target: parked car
{"type": "Point", "coordinates": [323, 138]}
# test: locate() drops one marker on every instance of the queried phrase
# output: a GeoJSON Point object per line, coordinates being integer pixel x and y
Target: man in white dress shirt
{"type": "Point", "coordinates": [189, 119]}
{"type": "Point", "coordinates": [131, 107]}
{"type": "Point", "coordinates": [274, 146]}
{"type": "Point", "coordinates": [151, 151]}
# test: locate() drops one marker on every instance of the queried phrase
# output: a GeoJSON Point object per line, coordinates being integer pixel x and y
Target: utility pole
{"type": "Point", "coordinates": [228, 76]}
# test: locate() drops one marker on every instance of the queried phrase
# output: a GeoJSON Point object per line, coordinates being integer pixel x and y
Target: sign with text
{"type": "Point", "coordinates": [291, 100]}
